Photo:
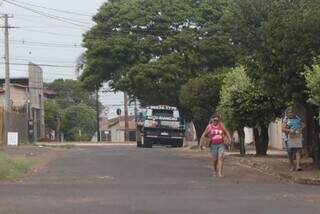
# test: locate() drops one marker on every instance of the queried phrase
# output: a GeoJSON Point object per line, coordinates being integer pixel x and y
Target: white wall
{"type": "Point", "coordinates": [117, 135]}
{"type": "Point", "coordinates": [275, 135]}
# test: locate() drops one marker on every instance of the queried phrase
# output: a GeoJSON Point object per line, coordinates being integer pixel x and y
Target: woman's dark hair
{"type": "Point", "coordinates": [215, 116]}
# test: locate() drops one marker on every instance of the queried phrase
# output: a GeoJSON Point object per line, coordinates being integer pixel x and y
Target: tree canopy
{"type": "Point", "coordinates": [245, 104]}
{"type": "Point", "coordinates": [155, 46]}
{"type": "Point", "coordinates": [277, 39]}
{"type": "Point", "coordinates": [79, 122]}
{"type": "Point", "coordinates": [313, 83]}
{"type": "Point", "coordinates": [73, 107]}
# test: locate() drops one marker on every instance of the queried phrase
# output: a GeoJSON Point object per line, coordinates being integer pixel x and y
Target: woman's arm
{"type": "Point", "coordinates": [204, 134]}
{"type": "Point", "coordinates": [226, 132]}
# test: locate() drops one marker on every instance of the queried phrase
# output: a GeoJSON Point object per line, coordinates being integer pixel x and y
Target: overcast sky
{"type": "Point", "coordinates": [47, 41]}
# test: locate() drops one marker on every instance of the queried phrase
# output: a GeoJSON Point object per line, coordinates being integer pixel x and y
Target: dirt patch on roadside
{"type": "Point", "coordinates": [234, 169]}
{"type": "Point", "coordinates": [272, 167]}
{"type": "Point", "coordinates": [41, 156]}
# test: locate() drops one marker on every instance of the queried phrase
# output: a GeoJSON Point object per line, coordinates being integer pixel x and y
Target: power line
{"type": "Point", "coordinates": [43, 65]}
{"type": "Point", "coordinates": [45, 24]}
{"type": "Point", "coordinates": [43, 58]}
{"type": "Point", "coordinates": [46, 44]}
{"type": "Point", "coordinates": [55, 61]}
{"type": "Point", "coordinates": [58, 18]}
{"type": "Point", "coordinates": [40, 12]}
{"type": "Point", "coordinates": [27, 61]}
{"type": "Point", "coordinates": [44, 73]}
{"type": "Point", "coordinates": [53, 9]}
{"type": "Point", "coordinates": [50, 33]}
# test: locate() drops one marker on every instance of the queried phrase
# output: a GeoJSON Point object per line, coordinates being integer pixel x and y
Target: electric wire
{"type": "Point", "coordinates": [40, 12]}
{"type": "Point", "coordinates": [25, 42]}
{"type": "Point", "coordinates": [53, 9]}
{"type": "Point", "coordinates": [42, 61]}
{"type": "Point", "coordinates": [42, 65]}
{"type": "Point", "coordinates": [50, 33]}
{"type": "Point", "coordinates": [58, 18]}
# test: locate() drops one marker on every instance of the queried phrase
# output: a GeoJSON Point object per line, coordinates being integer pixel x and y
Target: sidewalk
{"type": "Point", "coordinates": [83, 143]}
{"type": "Point", "coordinates": [276, 164]}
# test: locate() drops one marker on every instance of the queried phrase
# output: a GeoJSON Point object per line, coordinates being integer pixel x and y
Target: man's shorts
{"type": "Point", "coordinates": [217, 149]}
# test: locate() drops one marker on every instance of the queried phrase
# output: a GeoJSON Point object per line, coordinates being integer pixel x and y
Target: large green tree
{"type": "Point", "coordinates": [79, 122]}
{"type": "Point", "coordinates": [313, 83]}
{"type": "Point", "coordinates": [277, 39]}
{"type": "Point", "coordinates": [71, 92]}
{"type": "Point", "coordinates": [52, 114]}
{"type": "Point", "coordinates": [245, 104]}
{"type": "Point", "coordinates": [152, 48]}
{"type": "Point", "coordinates": [71, 96]}
{"type": "Point", "coordinates": [201, 96]}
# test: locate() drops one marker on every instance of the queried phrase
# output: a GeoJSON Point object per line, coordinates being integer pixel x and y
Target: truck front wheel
{"type": "Point", "coordinates": [146, 142]}
{"type": "Point", "coordinates": [178, 143]}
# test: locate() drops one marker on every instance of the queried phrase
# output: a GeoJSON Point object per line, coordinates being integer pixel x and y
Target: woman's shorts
{"type": "Point", "coordinates": [294, 151]}
{"type": "Point", "coordinates": [217, 149]}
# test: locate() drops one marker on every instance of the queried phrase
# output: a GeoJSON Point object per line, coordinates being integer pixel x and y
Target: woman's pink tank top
{"type": "Point", "coordinates": [215, 134]}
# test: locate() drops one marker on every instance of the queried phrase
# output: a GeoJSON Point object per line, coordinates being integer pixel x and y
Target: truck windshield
{"type": "Point", "coordinates": [162, 113]}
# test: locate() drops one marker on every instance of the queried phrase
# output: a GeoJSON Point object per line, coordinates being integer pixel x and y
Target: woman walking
{"type": "Point", "coordinates": [292, 128]}
{"type": "Point", "coordinates": [218, 135]}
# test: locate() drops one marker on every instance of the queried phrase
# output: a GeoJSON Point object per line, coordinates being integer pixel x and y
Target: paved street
{"type": "Point", "coordinates": [124, 179]}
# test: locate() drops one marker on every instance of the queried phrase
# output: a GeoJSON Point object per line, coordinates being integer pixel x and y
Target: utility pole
{"type": "Point", "coordinates": [6, 27]}
{"type": "Point", "coordinates": [98, 114]}
{"type": "Point", "coordinates": [126, 123]}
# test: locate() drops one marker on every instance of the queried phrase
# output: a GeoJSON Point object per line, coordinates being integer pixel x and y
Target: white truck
{"type": "Point", "coordinates": [160, 125]}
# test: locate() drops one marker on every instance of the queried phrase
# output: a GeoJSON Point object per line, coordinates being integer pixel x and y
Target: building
{"type": "Point", "coordinates": [27, 96]}
{"type": "Point", "coordinates": [114, 129]}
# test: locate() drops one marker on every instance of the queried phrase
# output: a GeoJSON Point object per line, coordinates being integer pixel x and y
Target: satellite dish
{"type": "Point", "coordinates": [118, 111]}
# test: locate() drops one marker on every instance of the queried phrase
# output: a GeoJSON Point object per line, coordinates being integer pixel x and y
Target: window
{"type": "Point", "coordinates": [162, 113]}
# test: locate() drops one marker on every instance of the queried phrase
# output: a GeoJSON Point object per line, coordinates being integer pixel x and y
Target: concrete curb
{"type": "Point", "coordinates": [265, 169]}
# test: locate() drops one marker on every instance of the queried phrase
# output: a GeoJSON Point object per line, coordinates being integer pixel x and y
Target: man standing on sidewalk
{"type": "Point", "coordinates": [292, 127]}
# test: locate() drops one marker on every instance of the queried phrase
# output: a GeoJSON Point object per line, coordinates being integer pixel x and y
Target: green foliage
{"type": "Point", "coordinates": [76, 119]}
{"type": "Point", "coordinates": [277, 39]}
{"type": "Point", "coordinates": [201, 95]}
{"type": "Point", "coordinates": [52, 112]}
{"type": "Point", "coordinates": [152, 48]}
{"type": "Point", "coordinates": [313, 83]}
{"type": "Point", "coordinates": [71, 96]}
{"type": "Point", "coordinates": [243, 103]}
{"type": "Point", "coordinates": [71, 92]}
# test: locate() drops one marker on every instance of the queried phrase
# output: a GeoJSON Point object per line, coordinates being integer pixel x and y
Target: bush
{"type": "Point", "coordinates": [78, 122]}
{"type": "Point", "coordinates": [313, 83]}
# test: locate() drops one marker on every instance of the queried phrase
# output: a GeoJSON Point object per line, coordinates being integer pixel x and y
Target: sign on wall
{"type": "Point", "coordinates": [12, 138]}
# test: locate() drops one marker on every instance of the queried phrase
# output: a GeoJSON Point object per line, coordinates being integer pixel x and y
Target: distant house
{"type": "Point", "coordinates": [27, 96]}
{"type": "Point", "coordinates": [113, 129]}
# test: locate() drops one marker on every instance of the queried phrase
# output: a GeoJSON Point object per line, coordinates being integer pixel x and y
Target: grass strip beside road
{"type": "Point", "coordinates": [13, 167]}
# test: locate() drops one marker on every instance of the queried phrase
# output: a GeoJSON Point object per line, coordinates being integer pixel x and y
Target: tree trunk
{"type": "Point", "coordinates": [264, 140]}
{"type": "Point", "coordinates": [241, 140]}
{"type": "Point", "coordinates": [312, 133]}
{"type": "Point", "coordinates": [200, 126]}
{"type": "Point", "coordinates": [257, 143]}
{"type": "Point", "coordinates": [261, 140]}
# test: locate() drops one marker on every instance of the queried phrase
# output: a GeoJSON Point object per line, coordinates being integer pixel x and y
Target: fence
{"type": "Point", "coordinates": [13, 122]}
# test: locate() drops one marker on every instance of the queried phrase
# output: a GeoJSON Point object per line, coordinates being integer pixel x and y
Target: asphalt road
{"type": "Point", "coordinates": [147, 181]}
